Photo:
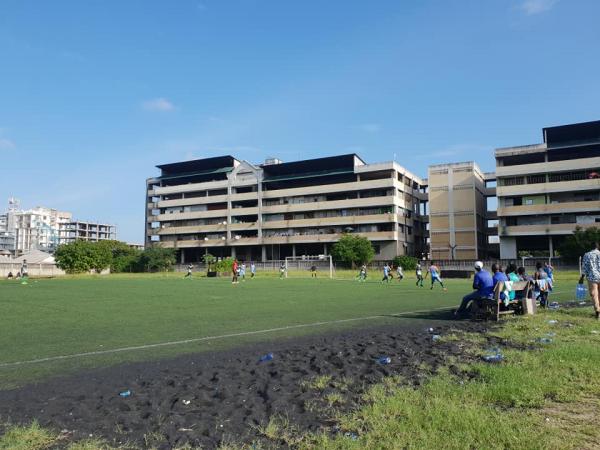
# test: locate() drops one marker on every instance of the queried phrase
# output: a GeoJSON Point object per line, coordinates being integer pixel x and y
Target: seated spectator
{"type": "Point", "coordinates": [522, 274]}
{"type": "Point", "coordinates": [483, 285]}
{"type": "Point", "coordinates": [10, 275]}
{"type": "Point", "coordinates": [511, 273]}
{"type": "Point", "coordinates": [499, 275]}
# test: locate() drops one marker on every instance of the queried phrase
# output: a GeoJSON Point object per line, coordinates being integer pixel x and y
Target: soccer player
{"type": "Point", "coordinates": [399, 272]}
{"type": "Point", "coordinates": [435, 276]}
{"type": "Point", "coordinates": [362, 275]}
{"type": "Point", "coordinates": [234, 269]}
{"type": "Point", "coordinates": [189, 271]}
{"type": "Point", "coordinates": [252, 270]}
{"type": "Point", "coordinates": [243, 271]}
{"type": "Point", "coordinates": [386, 273]}
{"type": "Point", "coordinates": [313, 271]}
{"type": "Point", "coordinates": [282, 271]}
{"type": "Point", "coordinates": [419, 274]}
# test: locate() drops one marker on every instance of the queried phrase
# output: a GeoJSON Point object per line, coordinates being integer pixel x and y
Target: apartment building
{"type": "Point", "coordinates": [546, 190]}
{"type": "Point", "coordinates": [228, 207]}
{"type": "Point", "coordinates": [76, 230]}
{"type": "Point", "coordinates": [37, 228]}
{"type": "Point", "coordinates": [460, 225]}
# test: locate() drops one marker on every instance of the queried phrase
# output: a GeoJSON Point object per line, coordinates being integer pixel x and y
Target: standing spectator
{"type": "Point", "coordinates": [550, 272]}
{"type": "Point", "coordinates": [24, 273]}
{"type": "Point", "coordinates": [542, 284]}
{"type": "Point", "coordinates": [189, 271]}
{"type": "Point", "coordinates": [313, 271]}
{"type": "Point", "coordinates": [591, 271]}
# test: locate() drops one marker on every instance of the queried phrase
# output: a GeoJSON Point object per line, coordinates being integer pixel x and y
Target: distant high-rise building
{"type": "Point", "coordinates": [225, 206]}
{"type": "Point", "coordinates": [77, 230]}
{"type": "Point", "coordinates": [547, 190]}
{"type": "Point", "coordinates": [460, 225]}
{"type": "Point", "coordinates": [38, 228]}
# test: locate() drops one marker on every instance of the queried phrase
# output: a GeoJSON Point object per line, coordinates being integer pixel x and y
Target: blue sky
{"type": "Point", "coordinates": [94, 94]}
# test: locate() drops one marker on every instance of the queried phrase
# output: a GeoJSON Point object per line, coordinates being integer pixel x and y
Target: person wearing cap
{"type": "Point", "coordinates": [483, 285]}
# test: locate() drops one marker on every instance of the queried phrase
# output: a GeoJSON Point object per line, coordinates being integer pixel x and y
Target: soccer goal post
{"type": "Point", "coordinates": [307, 265]}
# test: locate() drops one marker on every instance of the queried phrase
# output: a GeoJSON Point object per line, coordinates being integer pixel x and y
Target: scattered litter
{"type": "Point", "coordinates": [493, 358]}
{"type": "Point", "coordinates": [595, 332]}
{"type": "Point", "coordinates": [186, 402]}
{"type": "Point", "coordinates": [185, 429]}
{"type": "Point", "coordinates": [568, 325]}
{"type": "Point", "coordinates": [429, 330]}
{"type": "Point", "coordinates": [544, 340]}
{"type": "Point", "coordinates": [582, 303]}
{"type": "Point", "coordinates": [436, 337]}
{"type": "Point", "coordinates": [267, 357]}
{"type": "Point", "coordinates": [552, 322]}
{"type": "Point", "coordinates": [550, 334]}
{"type": "Point", "coordinates": [126, 393]}
{"type": "Point", "coordinates": [554, 305]}
{"type": "Point", "coordinates": [493, 355]}
{"type": "Point", "coordinates": [352, 436]}
{"type": "Point", "coordinates": [384, 360]}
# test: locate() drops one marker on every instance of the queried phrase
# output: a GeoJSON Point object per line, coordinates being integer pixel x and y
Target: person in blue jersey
{"type": "Point", "coordinates": [483, 286]}
{"type": "Point", "coordinates": [435, 273]}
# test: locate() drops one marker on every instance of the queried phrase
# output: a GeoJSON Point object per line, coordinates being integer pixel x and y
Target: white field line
{"type": "Point", "coordinates": [209, 338]}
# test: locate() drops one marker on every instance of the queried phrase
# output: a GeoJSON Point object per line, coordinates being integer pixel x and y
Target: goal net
{"type": "Point", "coordinates": [306, 266]}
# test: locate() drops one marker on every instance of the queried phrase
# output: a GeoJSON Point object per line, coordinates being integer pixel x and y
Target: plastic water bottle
{"type": "Point", "coordinates": [544, 340]}
{"type": "Point", "coordinates": [580, 292]}
{"type": "Point", "coordinates": [496, 358]}
{"type": "Point", "coordinates": [126, 393]}
{"type": "Point", "coordinates": [384, 360]}
{"type": "Point", "coordinates": [436, 337]}
{"type": "Point", "coordinates": [267, 357]}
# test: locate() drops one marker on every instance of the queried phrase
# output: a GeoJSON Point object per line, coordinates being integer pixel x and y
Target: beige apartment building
{"type": "Point", "coordinates": [547, 190]}
{"type": "Point", "coordinates": [228, 207]}
{"type": "Point", "coordinates": [460, 226]}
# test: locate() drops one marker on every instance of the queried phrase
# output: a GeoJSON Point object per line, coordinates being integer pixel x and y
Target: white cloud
{"type": "Point", "coordinates": [158, 104]}
{"type": "Point", "coordinates": [371, 127]}
{"type": "Point", "coordinates": [531, 7]}
{"type": "Point", "coordinates": [6, 144]}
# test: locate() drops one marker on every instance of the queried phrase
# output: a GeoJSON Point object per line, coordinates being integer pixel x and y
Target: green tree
{"type": "Point", "coordinates": [123, 257]}
{"type": "Point", "coordinates": [353, 249]}
{"type": "Point", "coordinates": [157, 259]}
{"type": "Point", "coordinates": [82, 256]}
{"type": "Point", "coordinates": [210, 261]}
{"type": "Point", "coordinates": [580, 242]}
{"type": "Point", "coordinates": [406, 262]}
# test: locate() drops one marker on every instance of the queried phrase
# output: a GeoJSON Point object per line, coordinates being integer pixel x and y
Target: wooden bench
{"type": "Point", "coordinates": [493, 308]}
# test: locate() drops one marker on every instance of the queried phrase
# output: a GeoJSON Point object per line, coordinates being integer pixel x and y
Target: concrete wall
{"type": "Point", "coordinates": [508, 247]}
{"type": "Point", "coordinates": [34, 270]}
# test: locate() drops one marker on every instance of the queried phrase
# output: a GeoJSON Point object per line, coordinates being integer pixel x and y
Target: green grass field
{"type": "Point", "coordinates": [535, 399]}
{"type": "Point", "coordinates": [50, 318]}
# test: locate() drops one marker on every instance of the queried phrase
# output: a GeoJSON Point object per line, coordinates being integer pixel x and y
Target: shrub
{"type": "Point", "coordinates": [406, 262]}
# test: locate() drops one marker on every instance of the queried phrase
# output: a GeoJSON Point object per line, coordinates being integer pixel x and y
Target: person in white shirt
{"type": "Point", "coordinates": [591, 271]}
